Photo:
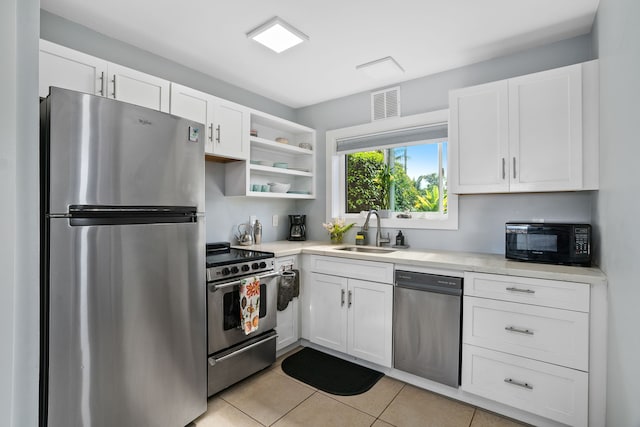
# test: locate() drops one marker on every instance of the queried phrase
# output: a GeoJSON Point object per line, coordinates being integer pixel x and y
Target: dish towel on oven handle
{"type": "Point", "coordinates": [250, 304]}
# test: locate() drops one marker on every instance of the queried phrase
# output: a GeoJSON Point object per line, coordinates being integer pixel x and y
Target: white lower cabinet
{"type": "Point", "coordinates": [288, 320]}
{"type": "Point", "coordinates": [548, 390]}
{"type": "Point", "coordinates": [350, 315]}
{"type": "Point", "coordinates": [328, 317]}
{"type": "Point", "coordinates": [542, 333]}
{"type": "Point", "coordinates": [526, 344]}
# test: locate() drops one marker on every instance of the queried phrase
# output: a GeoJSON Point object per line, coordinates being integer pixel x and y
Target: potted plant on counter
{"type": "Point", "coordinates": [336, 229]}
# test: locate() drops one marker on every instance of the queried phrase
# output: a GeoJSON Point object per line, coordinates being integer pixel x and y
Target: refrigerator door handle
{"type": "Point", "coordinates": [85, 215]}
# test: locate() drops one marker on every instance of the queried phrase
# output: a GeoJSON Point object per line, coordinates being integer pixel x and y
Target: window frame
{"type": "Point", "coordinates": [335, 173]}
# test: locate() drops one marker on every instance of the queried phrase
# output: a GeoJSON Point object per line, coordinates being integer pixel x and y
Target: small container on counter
{"type": "Point", "coordinates": [257, 233]}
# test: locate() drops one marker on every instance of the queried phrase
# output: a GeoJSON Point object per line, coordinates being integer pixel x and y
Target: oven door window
{"type": "Point", "coordinates": [231, 306]}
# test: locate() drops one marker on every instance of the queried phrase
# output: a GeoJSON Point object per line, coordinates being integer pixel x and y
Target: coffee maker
{"type": "Point", "coordinates": [297, 228]}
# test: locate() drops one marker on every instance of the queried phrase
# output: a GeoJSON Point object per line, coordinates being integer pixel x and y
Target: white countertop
{"type": "Point", "coordinates": [463, 261]}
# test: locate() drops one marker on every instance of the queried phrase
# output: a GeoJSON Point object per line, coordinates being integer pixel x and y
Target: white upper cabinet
{"type": "Point", "coordinates": [537, 132]}
{"type": "Point", "coordinates": [545, 130]}
{"type": "Point", "coordinates": [227, 123]}
{"type": "Point", "coordinates": [70, 69]}
{"type": "Point", "coordinates": [135, 87]}
{"type": "Point", "coordinates": [479, 126]}
{"type": "Point", "coordinates": [231, 129]}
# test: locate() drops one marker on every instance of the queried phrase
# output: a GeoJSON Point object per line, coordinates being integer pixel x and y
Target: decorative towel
{"type": "Point", "coordinates": [249, 304]}
{"type": "Point", "coordinates": [288, 288]}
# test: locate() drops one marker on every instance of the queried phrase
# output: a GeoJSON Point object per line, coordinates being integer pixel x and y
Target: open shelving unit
{"type": "Point", "coordinates": [296, 165]}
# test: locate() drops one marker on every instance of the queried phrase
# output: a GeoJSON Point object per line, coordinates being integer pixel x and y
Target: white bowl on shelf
{"type": "Point", "coordinates": [278, 187]}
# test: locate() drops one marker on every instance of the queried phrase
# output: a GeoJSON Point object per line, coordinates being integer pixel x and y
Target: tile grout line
{"type": "Point", "coordinates": [389, 404]}
{"type": "Point", "coordinates": [475, 409]}
{"type": "Point", "coordinates": [235, 407]}
{"type": "Point", "coordinates": [286, 413]}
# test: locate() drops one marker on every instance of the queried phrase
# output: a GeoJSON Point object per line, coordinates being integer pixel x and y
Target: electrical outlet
{"type": "Point", "coordinates": [274, 221]}
{"type": "Point", "coordinates": [252, 219]}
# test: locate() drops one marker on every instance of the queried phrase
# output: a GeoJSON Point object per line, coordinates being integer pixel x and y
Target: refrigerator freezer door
{"type": "Point", "coordinates": [110, 153]}
{"type": "Point", "coordinates": [127, 324]}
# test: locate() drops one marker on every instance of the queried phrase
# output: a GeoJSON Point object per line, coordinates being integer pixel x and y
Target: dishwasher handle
{"type": "Point", "coordinates": [423, 287]}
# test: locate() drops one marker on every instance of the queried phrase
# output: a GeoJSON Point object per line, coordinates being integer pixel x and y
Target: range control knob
{"type": "Point", "coordinates": [234, 270]}
{"type": "Point", "coordinates": [263, 264]}
{"type": "Point", "coordinates": [255, 266]}
{"type": "Point", "coordinates": [245, 267]}
{"type": "Point", "coordinates": [225, 271]}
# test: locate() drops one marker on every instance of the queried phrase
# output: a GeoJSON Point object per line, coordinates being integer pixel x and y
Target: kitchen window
{"type": "Point", "coordinates": [396, 165]}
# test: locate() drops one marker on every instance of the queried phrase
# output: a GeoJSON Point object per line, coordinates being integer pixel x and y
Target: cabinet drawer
{"type": "Point", "coordinates": [357, 269]}
{"type": "Point", "coordinates": [554, 392]}
{"type": "Point", "coordinates": [541, 333]}
{"type": "Point", "coordinates": [549, 293]}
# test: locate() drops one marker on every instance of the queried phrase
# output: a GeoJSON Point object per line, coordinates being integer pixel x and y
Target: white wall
{"type": "Point", "coordinates": [19, 290]}
{"type": "Point", "coordinates": [618, 201]}
{"type": "Point", "coordinates": [481, 217]}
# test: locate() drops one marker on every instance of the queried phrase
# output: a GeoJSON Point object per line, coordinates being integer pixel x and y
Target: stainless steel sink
{"type": "Point", "coordinates": [366, 249]}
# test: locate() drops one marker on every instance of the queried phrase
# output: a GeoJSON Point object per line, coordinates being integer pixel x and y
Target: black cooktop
{"type": "Point", "coordinates": [222, 253]}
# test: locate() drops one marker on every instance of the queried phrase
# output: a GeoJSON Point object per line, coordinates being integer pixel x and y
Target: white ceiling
{"type": "Point", "coordinates": [424, 36]}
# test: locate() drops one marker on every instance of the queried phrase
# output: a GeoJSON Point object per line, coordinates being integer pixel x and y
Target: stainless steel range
{"type": "Point", "coordinates": [234, 355]}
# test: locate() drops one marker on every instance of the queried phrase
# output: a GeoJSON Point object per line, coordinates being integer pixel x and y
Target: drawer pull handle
{"type": "Point", "coordinates": [350, 302]}
{"type": "Point", "coordinates": [518, 383]}
{"type": "Point", "coordinates": [518, 330]}
{"type": "Point", "coordinates": [342, 298]}
{"type": "Point", "coordinates": [524, 291]}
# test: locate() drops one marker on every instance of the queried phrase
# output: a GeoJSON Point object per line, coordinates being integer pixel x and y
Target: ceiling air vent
{"type": "Point", "coordinates": [385, 103]}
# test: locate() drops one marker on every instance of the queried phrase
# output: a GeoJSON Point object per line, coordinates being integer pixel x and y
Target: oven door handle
{"type": "Point", "coordinates": [213, 288]}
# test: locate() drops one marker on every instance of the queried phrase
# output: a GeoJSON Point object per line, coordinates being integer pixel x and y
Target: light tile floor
{"type": "Point", "coordinates": [272, 398]}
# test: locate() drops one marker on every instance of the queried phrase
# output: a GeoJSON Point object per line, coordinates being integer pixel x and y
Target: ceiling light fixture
{"type": "Point", "coordinates": [382, 68]}
{"type": "Point", "coordinates": [277, 35]}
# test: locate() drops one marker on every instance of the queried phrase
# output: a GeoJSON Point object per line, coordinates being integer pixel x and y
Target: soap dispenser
{"type": "Point", "coordinates": [399, 238]}
{"type": "Point", "coordinates": [361, 237]}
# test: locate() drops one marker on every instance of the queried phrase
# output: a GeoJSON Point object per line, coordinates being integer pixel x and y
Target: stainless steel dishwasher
{"type": "Point", "coordinates": [426, 325]}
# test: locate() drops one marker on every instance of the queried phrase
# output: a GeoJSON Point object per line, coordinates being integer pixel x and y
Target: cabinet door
{"type": "Point", "coordinates": [194, 105]}
{"type": "Point", "coordinates": [287, 328]}
{"type": "Point", "coordinates": [135, 87]}
{"type": "Point", "coordinates": [328, 311]}
{"type": "Point", "coordinates": [370, 308]}
{"type": "Point", "coordinates": [551, 391]}
{"type": "Point", "coordinates": [288, 320]}
{"type": "Point", "coordinates": [70, 69]}
{"type": "Point", "coordinates": [545, 130]}
{"type": "Point", "coordinates": [478, 136]}
{"type": "Point", "coordinates": [231, 130]}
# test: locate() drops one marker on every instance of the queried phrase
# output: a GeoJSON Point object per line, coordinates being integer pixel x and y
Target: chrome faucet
{"type": "Point", "coordinates": [379, 239]}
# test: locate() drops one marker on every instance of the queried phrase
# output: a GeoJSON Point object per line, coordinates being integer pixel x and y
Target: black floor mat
{"type": "Point", "coordinates": [329, 373]}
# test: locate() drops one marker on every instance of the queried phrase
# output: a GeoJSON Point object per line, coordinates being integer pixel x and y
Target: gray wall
{"type": "Point", "coordinates": [19, 244]}
{"type": "Point", "coordinates": [223, 213]}
{"type": "Point", "coordinates": [481, 217]}
{"type": "Point", "coordinates": [618, 202]}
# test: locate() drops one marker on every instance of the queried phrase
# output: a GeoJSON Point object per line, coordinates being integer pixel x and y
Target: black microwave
{"type": "Point", "coordinates": [552, 243]}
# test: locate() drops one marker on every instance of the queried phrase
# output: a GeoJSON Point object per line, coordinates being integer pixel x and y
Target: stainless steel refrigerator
{"type": "Point", "coordinates": [123, 268]}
